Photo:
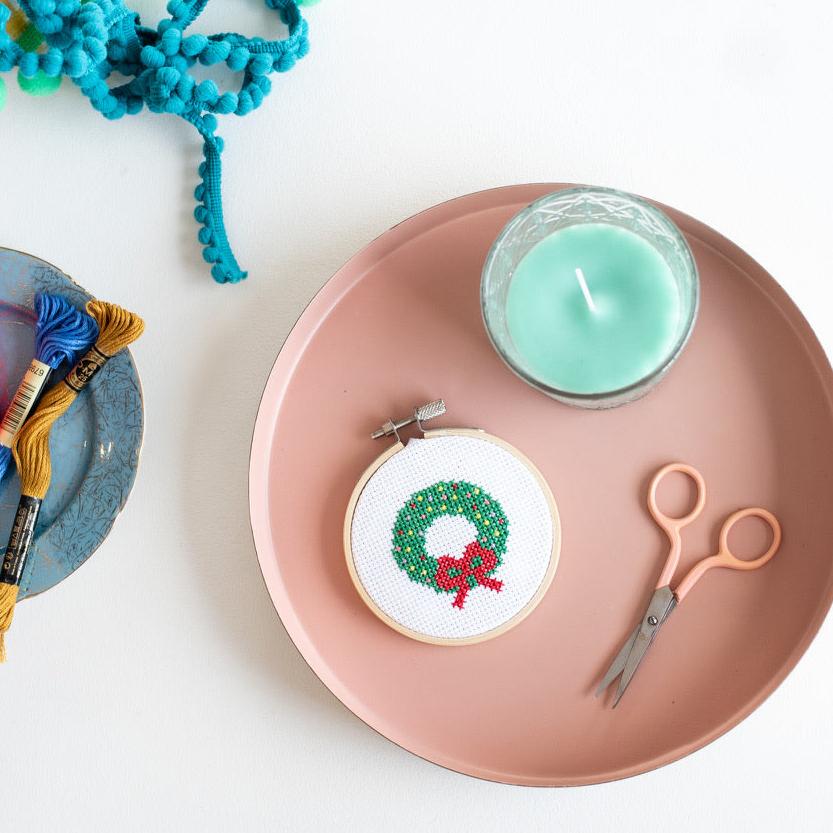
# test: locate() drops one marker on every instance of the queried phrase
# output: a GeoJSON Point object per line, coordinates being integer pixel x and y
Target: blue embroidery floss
{"type": "Point", "coordinates": [62, 335]}
{"type": "Point", "coordinates": [89, 40]}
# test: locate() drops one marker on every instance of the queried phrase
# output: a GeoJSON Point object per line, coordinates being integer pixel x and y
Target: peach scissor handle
{"type": "Point", "coordinates": [673, 526]}
{"type": "Point", "coordinates": [725, 557]}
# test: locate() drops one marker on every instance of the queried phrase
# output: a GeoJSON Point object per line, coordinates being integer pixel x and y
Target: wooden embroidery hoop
{"type": "Point", "coordinates": [478, 434]}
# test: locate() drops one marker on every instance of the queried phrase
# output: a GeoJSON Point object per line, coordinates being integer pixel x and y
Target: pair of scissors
{"type": "Point", "coordinates": [665, 599]}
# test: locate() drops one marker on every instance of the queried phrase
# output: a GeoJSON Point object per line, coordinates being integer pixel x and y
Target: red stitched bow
{"type": "Point", "coordinates": [465, 570]}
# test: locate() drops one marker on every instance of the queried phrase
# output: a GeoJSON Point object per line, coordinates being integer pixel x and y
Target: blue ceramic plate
{"type": "Point", "coordinates": [95, 446]}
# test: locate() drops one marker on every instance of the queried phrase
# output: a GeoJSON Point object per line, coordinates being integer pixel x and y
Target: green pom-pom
{"type": "Point", "coordinates": [308, 2]}
{"type": "Point", "coordinates": [39, 85]}
{"type": "Point", "coordinates": [2, 93]}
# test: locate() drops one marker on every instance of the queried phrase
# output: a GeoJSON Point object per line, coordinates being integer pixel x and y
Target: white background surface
{"type": "Point", "coordinates": [155, 689]}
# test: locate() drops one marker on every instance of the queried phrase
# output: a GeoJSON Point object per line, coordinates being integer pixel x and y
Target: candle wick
{"type": "Point", "coordinates": [585, 289]}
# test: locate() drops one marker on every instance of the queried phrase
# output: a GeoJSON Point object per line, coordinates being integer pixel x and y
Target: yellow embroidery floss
{"type": "Point", "coordinates": [117, 329]}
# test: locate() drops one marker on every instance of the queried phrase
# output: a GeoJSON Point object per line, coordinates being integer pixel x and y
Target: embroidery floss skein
{"type": "Point", "coordinates": [90, 40]}
{"type": "Point", "coordinates": [117, 329]}
{"type": "Point", "coordinates": [62, 334]}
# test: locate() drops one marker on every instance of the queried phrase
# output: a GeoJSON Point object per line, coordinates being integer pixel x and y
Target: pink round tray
{"type": "Point", "coordinates": [749, 404]}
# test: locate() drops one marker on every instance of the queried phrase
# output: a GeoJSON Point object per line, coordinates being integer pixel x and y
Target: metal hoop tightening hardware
{"type": "Point", "coordinates": [420, 415]}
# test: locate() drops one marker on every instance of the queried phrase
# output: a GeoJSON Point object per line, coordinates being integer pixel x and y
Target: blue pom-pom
{"type": "Point", "coordinates": [28, 65]}
{"type": "Point", "coordinates": [95, 48]}
{"type": "Point", "coordinates": [227, 103]}
{"type": "Point", "coordinates": [260, 64]}
{"type": "Point", "coordinates": [222, 274]}
{"type": "Point", "coordinates": [256, 95]}
{"type": "Point", "coordinates": [238, 59]}
{"type": "Point", "coordinates": [244, 103]}
{"type": "Point", "coordinates": [264, 83]}
{"type": "Point", "coordinates": [51, 62]}
{"type": "Point", "coordinates": [207, 91]}
{"type": "Point", "coordinates": [76, 63]}
{"type": "Point", "coordinates": [168, 77]}
{"type": "Point", "coordinates": [215, 52]}
{"type": "Point", "coordinates": [185, 87]}
{"type": "Point", "coordinates": [169, 42]}
{"type": "Point", "coordinates": [193, 45]}
{"type": "Point", "coordinates": [41, 8]}
{"type": "Point", "coordinates": [152, 57]}
{"type": "Point", "coordinates": [285, 62]}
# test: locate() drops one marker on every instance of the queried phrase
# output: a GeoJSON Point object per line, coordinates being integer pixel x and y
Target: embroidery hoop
{"type": "Point", "coordinates": [519, 616]}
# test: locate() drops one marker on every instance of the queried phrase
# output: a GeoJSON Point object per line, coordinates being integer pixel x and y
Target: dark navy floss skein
{"type": "Point", "coordinates": [62, 335]}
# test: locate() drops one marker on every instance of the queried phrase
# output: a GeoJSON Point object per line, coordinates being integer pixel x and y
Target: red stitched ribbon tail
{"type": "Point", "coordinates": [464, 570]}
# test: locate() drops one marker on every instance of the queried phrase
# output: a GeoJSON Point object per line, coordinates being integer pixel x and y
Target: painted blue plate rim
{"type": "Point", "coordinates": [117, 402]}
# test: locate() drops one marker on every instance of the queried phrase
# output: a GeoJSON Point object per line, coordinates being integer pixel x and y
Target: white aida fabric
{"type": "Point", "coordinates": [452, 537]}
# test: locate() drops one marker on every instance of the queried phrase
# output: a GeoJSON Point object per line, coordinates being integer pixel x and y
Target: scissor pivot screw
{"type": "Point", "coordinates": [652, 620]}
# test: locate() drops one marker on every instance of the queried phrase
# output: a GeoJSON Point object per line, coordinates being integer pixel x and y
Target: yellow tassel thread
{"type": "Point", "coordinates": [8, 599]}
{"type": "Point", "coordinates": [117, 328]}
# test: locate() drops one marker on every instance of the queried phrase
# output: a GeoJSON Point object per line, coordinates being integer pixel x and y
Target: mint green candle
{"type": "Point", "coordinates": [593, 307]}
{"type": "Point", "coordinates": [590, 294]}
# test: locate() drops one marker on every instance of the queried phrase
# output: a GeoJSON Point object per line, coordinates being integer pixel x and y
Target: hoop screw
{"type": "Point", "coordinates": [420, 415]}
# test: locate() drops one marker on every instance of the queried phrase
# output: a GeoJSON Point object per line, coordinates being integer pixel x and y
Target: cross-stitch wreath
{"type": "Point", "coordinates": [451, 538]}
{"type": "Point", "coordinates": [90, 40]}
{"type": "Point", "coordinates": [482, 556]}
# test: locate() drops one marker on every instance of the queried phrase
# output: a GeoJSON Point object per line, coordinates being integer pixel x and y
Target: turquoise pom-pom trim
{"type": "Point", "coordinates": [89, 40]}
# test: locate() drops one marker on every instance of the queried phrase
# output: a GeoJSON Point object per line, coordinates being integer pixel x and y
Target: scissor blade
{"type": "Point", "coordinates": [618, 664]}
{"type": "Point", "coordinates": [662, 603]}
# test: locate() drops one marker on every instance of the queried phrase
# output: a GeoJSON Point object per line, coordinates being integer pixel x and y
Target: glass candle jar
{"type": "Point", "coordinates": [590, 295]}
